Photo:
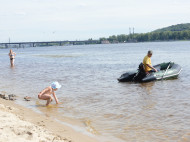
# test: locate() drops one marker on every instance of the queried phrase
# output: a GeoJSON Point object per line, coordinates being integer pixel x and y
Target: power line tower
{"type": "Point", "coordinates": [129, 31]}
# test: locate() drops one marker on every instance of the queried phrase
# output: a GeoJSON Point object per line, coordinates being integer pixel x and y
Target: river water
{"type": "Point", "coordinates": [91, 95]}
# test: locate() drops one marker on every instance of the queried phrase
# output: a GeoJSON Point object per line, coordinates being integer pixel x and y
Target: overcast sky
{"type": "Point", "coordinates": [52, 20]}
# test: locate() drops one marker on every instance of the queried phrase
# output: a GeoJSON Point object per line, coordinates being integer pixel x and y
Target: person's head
{"type": "Point", "coordinates": [149, 53]}
{"type": "Point", "coordinates": [11, 51]}
{"type": "Point", "coordinates": [55, 85]}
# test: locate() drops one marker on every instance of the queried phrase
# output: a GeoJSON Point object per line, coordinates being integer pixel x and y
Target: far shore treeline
{"type": "Point", "coordinates": [152, 36]}
{"type": "Point", "coordinates": [171, 33]}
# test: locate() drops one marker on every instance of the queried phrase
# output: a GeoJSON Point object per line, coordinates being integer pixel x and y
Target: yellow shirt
{"type": "Point", "coordinates": [146, 61]}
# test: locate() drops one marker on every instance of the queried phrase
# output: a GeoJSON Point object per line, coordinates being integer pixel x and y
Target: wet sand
{"type": "Point", "coordinates": [22, 124]}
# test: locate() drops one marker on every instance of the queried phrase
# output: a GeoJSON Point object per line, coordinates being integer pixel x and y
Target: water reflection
{"type": "Point", "coordinates": [50, 111]}
{"type": "Point", "coordinates": [147, 87]}
{"type": "Point", "coordinates": [146, 99]}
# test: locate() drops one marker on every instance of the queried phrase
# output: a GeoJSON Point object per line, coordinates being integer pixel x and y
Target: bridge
{"type": "Point", "coordinates": [49, 43]}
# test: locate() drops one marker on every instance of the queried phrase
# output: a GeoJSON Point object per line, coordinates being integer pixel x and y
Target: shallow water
{"type": "Point", "coordinates": [155, 111]}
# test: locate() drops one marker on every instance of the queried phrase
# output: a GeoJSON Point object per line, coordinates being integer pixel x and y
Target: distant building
{"type": "Point", "coordinates": [105, 42]}
{"type": "Point", "coordinates": [115, 41]}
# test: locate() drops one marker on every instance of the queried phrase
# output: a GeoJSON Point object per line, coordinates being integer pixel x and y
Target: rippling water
{"type": "Point", "coordinates": [155, 111]}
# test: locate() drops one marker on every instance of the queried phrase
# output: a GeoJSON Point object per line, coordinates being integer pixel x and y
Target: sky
{"type": "Point", "coordinates": [54, 20]}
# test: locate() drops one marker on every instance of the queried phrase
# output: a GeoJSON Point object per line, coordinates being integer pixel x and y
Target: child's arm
{"type": "Point", "coordinates": [55, 97]}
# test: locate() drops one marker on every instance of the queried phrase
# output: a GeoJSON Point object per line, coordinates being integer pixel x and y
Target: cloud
{"type": "Point", "coordinates": [21, 13]}
{"type": "Point", "coordinates": [82, 5]}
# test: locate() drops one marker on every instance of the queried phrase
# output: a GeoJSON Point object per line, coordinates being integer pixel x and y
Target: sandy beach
{"type": "Point", "coordinates": [22, 124]}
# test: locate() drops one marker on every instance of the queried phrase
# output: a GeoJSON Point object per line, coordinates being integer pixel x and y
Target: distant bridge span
{"type": "Point", "coordinates": [46, 43]}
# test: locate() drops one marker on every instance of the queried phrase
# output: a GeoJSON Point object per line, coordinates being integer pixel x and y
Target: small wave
{"type": "Point", "coordinates": [185, 138]}
{"type": "Point", "coordinates": [56, 56]}
{"type": "Point", "coordinates": [89, 127]}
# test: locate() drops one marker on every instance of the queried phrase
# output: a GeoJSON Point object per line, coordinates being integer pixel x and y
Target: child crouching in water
{"type": "Point", "coordinates": [46, 93]}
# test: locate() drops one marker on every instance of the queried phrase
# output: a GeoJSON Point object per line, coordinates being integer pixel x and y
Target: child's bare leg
{"type": "Point", "coordinates": [46, 97]}
{"type": "Point", "coordinates": [48, 101]}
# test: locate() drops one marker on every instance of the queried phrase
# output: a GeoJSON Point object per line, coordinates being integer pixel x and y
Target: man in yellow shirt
{"type": "Point", "coordinates": [147, 63]}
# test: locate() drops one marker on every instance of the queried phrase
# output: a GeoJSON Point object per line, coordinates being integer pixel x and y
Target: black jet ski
{"type": "Point", "coordinates": [167, 70]}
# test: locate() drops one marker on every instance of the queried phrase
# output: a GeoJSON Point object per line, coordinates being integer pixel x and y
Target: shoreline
{"type": "Point", "coordinates": [24, 124]}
